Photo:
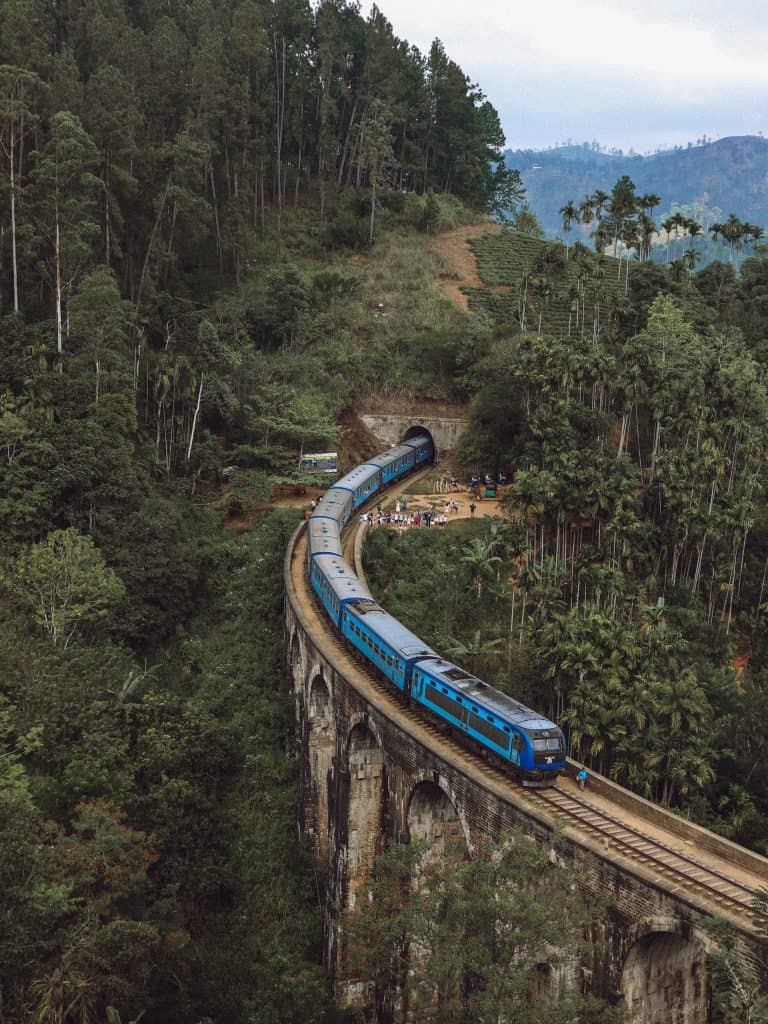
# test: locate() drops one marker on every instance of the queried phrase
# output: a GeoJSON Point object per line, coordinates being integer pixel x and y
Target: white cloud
{"type": "Point", "coordinates": [654, 62]}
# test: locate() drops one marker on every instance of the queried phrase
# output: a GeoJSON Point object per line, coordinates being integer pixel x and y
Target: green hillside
{"type": "Point", "coordinates": [727, 176]}
{"type": "Point", "coordinates": [533, 284]}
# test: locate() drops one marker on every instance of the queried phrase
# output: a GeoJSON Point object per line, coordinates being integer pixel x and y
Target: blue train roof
{"type": "Point", "coordinates": [395, 452]}
{"type": "Point", "coordinates": [323, 535]}
{"type": "Point", "coordinates": [486, 696]}
{"type": "Point", "coordinates": [342, 579]}
{"type": "Point", "coordinates": [417, 442]}
{"type": "Point", "coordinates": [356, 477]}
{"type": "Point", "coordinates": [333, 504]}
{"type": "Point", "coordinates": [394, 633]}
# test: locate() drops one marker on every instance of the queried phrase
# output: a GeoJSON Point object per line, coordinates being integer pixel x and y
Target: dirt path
{"type": "Point", "coordinates": [454, 248]}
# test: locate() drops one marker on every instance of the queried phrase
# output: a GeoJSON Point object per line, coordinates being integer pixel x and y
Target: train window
{"type": "Point", "coordinates": [475, 710]}
{"type": "Point", "coordinates": [460, 699]}
{"type": "Point", "coordinates": [506, 728]}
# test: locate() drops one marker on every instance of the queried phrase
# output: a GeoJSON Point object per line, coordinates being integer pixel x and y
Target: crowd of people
{"type": "Point", "coordinates": [402, 519]}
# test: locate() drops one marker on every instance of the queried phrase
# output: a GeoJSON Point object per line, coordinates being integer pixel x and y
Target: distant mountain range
{"type": "Point", "coordinates": [713, 179]}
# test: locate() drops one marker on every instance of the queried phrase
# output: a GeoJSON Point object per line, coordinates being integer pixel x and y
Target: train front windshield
{"type": "Point", "coordinates": [549, 743]}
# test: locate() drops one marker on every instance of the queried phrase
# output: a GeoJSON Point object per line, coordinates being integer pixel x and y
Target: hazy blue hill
{"type": "Point", "coordinates": [730, 174]}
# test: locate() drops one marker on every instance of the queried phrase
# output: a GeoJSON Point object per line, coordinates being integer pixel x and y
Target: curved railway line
{"type": "Point", "coordinates": [677, 868]}
{"type": "Point", "coordinates": [656, 851]}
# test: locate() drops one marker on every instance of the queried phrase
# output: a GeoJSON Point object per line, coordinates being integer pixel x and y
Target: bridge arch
{"type": "Point", "coordinates": [320, 744]}
{"type": "Point", "coordinates": [366, 805]}
{"type": "Point", "coordinates": [664, 978]}
{"type": "Point", "coordinates": [296, 662]}
{"type": "Point", "coordinates": [432, 816]}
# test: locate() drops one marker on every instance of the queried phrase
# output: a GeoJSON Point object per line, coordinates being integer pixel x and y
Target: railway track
{"type": "Point", "coordinates": [616, 831]}
{"type": "Point", "coordinates": [674, 866]}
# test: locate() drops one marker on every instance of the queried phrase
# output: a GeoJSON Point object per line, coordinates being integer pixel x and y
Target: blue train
{"type": "Point", "coordinates": [533, 746]}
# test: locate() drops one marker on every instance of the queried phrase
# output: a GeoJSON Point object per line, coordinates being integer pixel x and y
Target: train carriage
{"type": "Point", "coordinates": [395, 462]}
{"type": "Point", "coordinates": [336, 584]}
{"type": "Point", "coordinates": [512, 731]}
{"type": "Point", "coordinates": [362, 482]}
{"type": "Point", "coordinates": [384, 641]}
{"type": "Point", "coordinates": [422, 447]}
{"type": "Point", "coordinates": [323, 537]}
{"type": "Point", "coordinates": [335, 504]}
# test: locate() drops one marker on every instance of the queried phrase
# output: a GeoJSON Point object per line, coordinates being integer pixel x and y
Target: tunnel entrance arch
{"type": "Point", "coordinates": [416, 431]}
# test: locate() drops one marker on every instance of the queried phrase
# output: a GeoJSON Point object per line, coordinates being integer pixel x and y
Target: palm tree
{"type": "Point", "coordinates": [621, 204]}
{"type": "Point", "coordinates": [667, 225]}
{"type": "Point", "coordinates": [570, 214]}
{"type": "Point", "coordinates": [691, 258]}
{"type": "Point", "coordinates": [479, 556]}
{"type": "Point", "coordinates": [475, 652]}
{"type": "Point", "coordinates": [733, 231]}
{"type": "Point", "coordinates": [648, 202]}
{"type": "Point", "coordinates": [646, 228]}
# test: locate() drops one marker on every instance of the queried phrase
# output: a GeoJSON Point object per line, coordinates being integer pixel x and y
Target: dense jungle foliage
{"type": "Point", "coordinates": [625, 594]}
{"type": "Point", "coordinates": [188, 199]}
{"type": "Point", "coordinates": [212, 246]}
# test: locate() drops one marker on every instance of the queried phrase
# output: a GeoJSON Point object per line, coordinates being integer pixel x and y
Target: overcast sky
{"type": "Point", "coordinates": [633, 74]}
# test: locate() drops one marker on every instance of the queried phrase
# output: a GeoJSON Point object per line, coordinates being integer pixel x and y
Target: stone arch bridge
{"type": "Point", "coordinates": [373, 773]}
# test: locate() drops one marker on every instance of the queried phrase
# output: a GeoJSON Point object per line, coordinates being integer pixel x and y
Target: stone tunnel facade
{"type": "Point", "coordinates": [445, 431]}
{"type": "Point", "coordinates": [366, 783]}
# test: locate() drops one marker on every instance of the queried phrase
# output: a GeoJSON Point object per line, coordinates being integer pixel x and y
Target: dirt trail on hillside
{"type": "Point", "coordinates": [454, 248]}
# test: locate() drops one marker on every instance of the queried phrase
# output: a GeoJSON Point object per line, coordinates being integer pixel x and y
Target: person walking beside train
{"type": "Point", "coordinates": [582, 777]}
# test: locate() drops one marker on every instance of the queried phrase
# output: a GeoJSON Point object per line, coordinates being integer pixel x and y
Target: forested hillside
{"type": "Point", "coordinates": [711, 179]}
{"type": "Point", "coordinates": [214, 221]}
{"type": "Point", "coordinates": [189, 200]}
{"type": "Point", "coordinates": [626, 593]}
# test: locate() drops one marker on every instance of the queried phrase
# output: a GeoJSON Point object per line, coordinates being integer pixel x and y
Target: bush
{"type": "Point", "coordinates": [348, 230]}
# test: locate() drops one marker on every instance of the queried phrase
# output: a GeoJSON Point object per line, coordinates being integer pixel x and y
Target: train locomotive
{"type": "Point", "coordinates": [519, 737]}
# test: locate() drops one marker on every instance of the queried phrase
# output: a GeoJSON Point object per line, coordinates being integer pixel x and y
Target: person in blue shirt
{"type": "Point", "coordinates": [582, 777]}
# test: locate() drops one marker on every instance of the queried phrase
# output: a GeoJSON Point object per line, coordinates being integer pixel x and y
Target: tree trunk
{"type": "Point", "coordinates": [345, 148]}
{"type": "Point", "coordinates": [373, 208]}
{"type": "Point", "coordinates": [150, 243]}
{"type": "Point", "coordinates": [13, 227]}
{"type": "Point", "coordinates": [106, 212]}
{"type": "Point", "coordinates": [194, 418]}
{"type": "Point", "coordinates": [219, 247]}
{"type": "Point", "coordinates": [59, 338]}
